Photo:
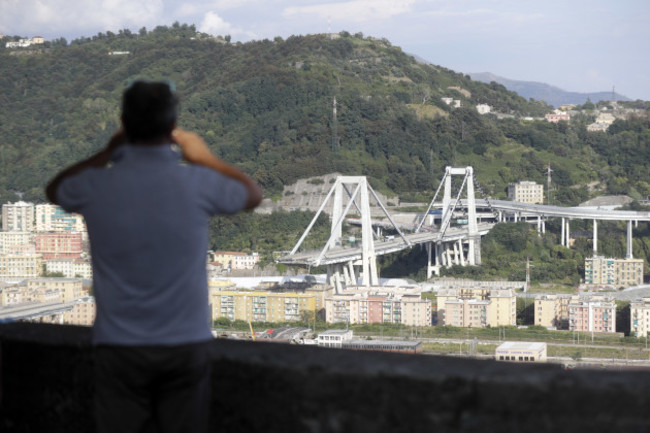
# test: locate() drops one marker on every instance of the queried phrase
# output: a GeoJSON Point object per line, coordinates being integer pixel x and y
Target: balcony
{"type": "Point", "coordinates": [260, 387]}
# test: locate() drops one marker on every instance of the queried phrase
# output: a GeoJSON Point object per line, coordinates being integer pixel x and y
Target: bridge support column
{"type": "Point", "coordinates": [562, 235]}
{"type": "Point", "coordinates": [595, 229]}
{"type": "Point", "coordinates": [334, 277]}
{"type": "Point", "coordinates": [439, 257]}
{"type": "Point", "coordinates": [471, 251]}
{"type": "Point", "coordinates": [460, 251]}
{"type": "Point", "coordinates": [629, 240]}
{"type": "Point", "coordinates": [448, 262]}
{"type": "Point", "coordinates": [352, 275]}
{"type": "Point", "coordinates": [432, 251]}
{"type": "Point", "coordinates": [539, 224]}
{"type": "Point", "coordinates": [543, 226]}
{"type": "Point", "coordinates": [568, 234]}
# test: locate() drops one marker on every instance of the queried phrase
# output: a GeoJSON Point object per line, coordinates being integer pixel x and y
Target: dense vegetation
{"type": "Point", "coordinates": [266, 106]}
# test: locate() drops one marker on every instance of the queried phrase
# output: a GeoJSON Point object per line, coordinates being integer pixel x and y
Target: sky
{"type": "Point", "coordinates": [577, 45]}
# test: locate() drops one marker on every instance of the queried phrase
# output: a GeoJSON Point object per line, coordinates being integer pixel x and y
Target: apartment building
{"type": "Point", "coordinates": [52, 218]}
{"type": "Point", "coordinates": [20, 267]}
{"type": "Point", "coordinates": [70, 268]}
{"type": "Point", "coordinates": [526, 192]}
{"type": "Point", "coordinates": [477, 307]}
{"type": "Point", "coordinates": [70, 288]}
{"type": "Point", "coordinates": [59, 245]}
{"type": "Point", "coordinates": [594, 313]}
{"type": "Point", "coordinates": [82, 313]}
{"type": "Point", "coordinates": [640, 317]}
{"type": "Point", "coordinates": [15, 242]}
{"type": "Point", "coordinates": [609, 272]}
{"type": "Point", "coordinates": [234, 260]}
{"type": "Point", "coordinates": [18, 217]}
{"type": "Point", "coordinates": [378, 305]}
{"type": "Point", "coordinates": [22, 294]}
{"type": "Point", "coordinates": [258, 306]}
{"type": "Point", "coordinates": [552, 311]}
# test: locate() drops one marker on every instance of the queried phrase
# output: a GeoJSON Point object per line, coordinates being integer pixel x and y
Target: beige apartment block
{"type": "Point", "coordinates": [20, 267]}
{"type": "Point", "coordinates": [82, 313]}
{"type": "Point", "coordinates": [378, 305]}
{"type": "Point", "coordinates": [592, 314]}
{"type": "Point", "coordinates": [526, 192]}
{"type": "Point", "coordinates": [70, 268]}
{"type": "Point", "coordinates": [15, 242]}
{"type": "Point", "coordinates": [235, 260]}
{"type": "Point", "coordinates": [552, 311]}
{"type": "Point", "coordinates": [257, 306]}
{"type": "Point", "coordinates": [610, 272]}
{"type": "Point", "coordinates": [13, 296]}
{"type": "Point", "coordinates": [477, 307]}
{"type": "Point", "coordinates": [23, 294]}
{"type": "Point", "coordinates": [70, 288]}
{"type": "Point", "coordinates": [465, 312]}
{"type": "Point", "coordinates": [52, 218]}
{"type": "Point", "coordinates": [18, 216]}
{"type": "Point", "coordinates": [640, 317]}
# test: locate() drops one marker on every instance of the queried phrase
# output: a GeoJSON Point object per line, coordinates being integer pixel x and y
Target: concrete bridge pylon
{"type": "Point", "coordinates": [351, 192]}
{"type": "Point", "coordinates": [442, 253]}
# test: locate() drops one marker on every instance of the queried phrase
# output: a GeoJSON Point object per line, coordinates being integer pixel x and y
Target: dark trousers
{"type": "Point", "coordinates": [152, 389]}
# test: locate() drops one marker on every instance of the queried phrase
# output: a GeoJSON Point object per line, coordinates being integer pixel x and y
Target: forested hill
{"type": "Point", "coordinates": [267, 107]}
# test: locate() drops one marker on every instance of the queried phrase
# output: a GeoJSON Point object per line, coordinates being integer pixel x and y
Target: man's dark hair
{"type": "Point", "coordinates": [149, 110]}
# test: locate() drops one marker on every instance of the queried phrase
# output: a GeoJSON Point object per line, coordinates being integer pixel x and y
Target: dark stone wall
{"type": "Point", "coordinates": [46, 386]}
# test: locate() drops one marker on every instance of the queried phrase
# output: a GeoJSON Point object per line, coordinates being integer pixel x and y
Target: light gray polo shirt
{"type": "Point", "coordinates": [147, 216]}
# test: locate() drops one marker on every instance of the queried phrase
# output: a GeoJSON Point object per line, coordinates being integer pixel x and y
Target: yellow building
{"type": "Point", "coordinates": [82, 313]}
{"type": "Point", "coordinates": [477, 307]}
{"type": "Point", "coordinates": [235, 260]}
{"type": "Point", "coordinates": [552, 311]}
{"type": "Point", "coordinates": [257, 306]}
{"type": "Point", "coordinates": [526, 192]}
{"type": "Point", "coordinates": [70, 288]}
{"type": "Point", "coordinates": [20, 267]}
{"type": "Point", "coordinates": [14, 242]}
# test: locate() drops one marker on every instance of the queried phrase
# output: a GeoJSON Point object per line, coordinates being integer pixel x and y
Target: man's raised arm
{"type": "Point", "coordinates": [99, 159]}
{"type": "Point", "coordinates": [196, 151]}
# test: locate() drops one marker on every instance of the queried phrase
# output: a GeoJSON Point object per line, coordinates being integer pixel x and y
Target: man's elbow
{"type": "Point", "coordinates": [255, 197]}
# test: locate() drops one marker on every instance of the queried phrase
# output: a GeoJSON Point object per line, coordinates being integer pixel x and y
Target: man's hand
{"type": "Point", "coordinates": [196, 151]}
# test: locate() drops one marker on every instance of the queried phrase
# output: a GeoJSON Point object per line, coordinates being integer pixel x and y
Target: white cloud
{"type": "Point", "coordinates": [215, 25]}
{"type": "Point", "coordinates": [56, 17]}
{"type": "Point", "coordinates": [354, 10]}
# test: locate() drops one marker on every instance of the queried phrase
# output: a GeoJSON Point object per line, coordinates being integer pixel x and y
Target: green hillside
{"type": "Point", "coordinates": [266, 106]}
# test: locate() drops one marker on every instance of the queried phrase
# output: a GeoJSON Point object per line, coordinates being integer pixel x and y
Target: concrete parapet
{"type": "Point", "coordinates": [265, 387]}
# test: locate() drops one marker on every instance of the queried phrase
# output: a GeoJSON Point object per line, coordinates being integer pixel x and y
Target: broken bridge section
{"type": "Point", "coordinates": [346, 263]}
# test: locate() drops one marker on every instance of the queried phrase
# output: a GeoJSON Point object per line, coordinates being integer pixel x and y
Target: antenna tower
{"type": "Point", "coordinates": [548, 183]}
{"type": "Point", "coordinates": [335, 127]}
